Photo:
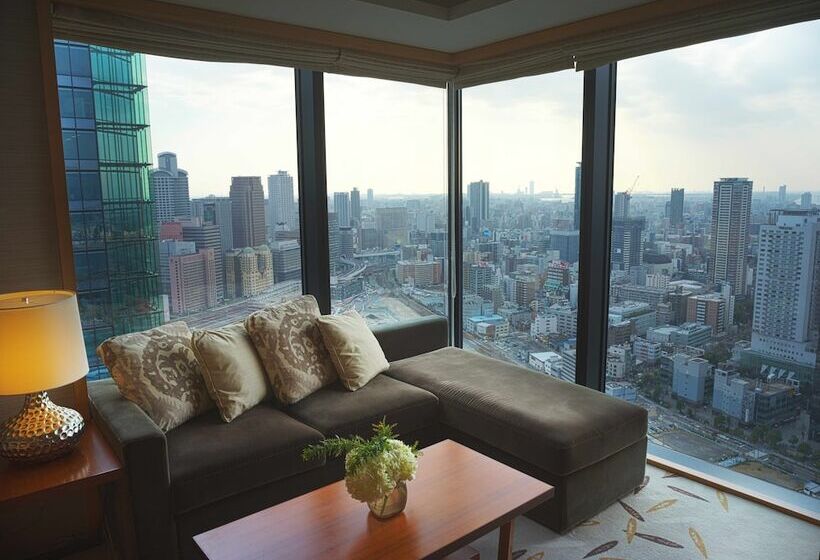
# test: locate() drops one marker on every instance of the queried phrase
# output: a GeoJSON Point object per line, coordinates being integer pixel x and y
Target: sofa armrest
{"type": "Point", "coordinates": [142, 448]}
{"type": "Point", "coordinates": [411, 338]}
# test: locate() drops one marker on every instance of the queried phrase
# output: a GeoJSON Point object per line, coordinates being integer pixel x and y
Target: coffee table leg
{"type": "Point", "coordinates": [505, 541]}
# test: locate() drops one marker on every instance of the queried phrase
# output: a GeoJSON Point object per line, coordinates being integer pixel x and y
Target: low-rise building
{"type": "Point", "coordinates": [691, 378]}
{"type": "Point", "coordinates": [548, 362]}
{"type": "Point", "coordinates": [733, 396]}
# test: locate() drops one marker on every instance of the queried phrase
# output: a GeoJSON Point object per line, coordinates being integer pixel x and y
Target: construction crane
{"type": "Point", "coordinates": [634, 184]}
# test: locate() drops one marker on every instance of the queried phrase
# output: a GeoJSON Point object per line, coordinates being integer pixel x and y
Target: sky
{"type": "Point", "coordinates": [745, 106]}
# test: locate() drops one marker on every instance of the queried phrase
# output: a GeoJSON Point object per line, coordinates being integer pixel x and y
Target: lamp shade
{"type": "Point", "coordinates": [41, 341]}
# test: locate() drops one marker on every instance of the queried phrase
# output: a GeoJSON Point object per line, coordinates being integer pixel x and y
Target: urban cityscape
{"type": "Point", "coordinates": [714, 317]}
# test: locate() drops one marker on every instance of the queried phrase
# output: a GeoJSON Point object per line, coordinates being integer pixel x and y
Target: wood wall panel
{"type": "Point", "coordinates": [29, 247]}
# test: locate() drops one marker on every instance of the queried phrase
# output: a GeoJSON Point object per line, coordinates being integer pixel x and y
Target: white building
{"type": "Point", "coordinates": [786, 311]}
{"type": "Point", "coordinates": [733, 396]}
{"type": "Point", "coordinates": [646, 351]}
{"type": "Point", "coordinates": [689, 377]}
{"type": "Point", "coordinates": [282, 211]}
{"type": "Point", "coordinates": [548, 362]}
{"type": "Point", "coordinates": [170, 186]}
{"type": "Point", "coordinates": [544, 325]}
{"type": "Point", "coordinates": [619, 362]}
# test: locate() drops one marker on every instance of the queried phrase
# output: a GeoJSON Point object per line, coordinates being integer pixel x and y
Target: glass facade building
{"type": "Point", "coordinates": [107, 150]}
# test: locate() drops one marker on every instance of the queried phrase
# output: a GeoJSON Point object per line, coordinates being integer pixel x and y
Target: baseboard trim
{"type": "Point", "coordinates": [715, 482]}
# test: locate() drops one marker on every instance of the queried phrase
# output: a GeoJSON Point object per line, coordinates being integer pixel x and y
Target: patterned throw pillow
{"type": "Point", "coordinates": [290, 345]}
{"type": "Point", "coordinates": [157, 370]}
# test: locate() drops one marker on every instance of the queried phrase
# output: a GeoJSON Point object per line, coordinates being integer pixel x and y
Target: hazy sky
{"type": "Point", "coordinates": [747, 106]}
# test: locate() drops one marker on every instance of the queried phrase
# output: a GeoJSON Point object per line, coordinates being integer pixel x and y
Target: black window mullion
{"type": "Point", "coordinates": [455, 224]}
{"type": "Point", "coordinates": [597, 163]}
{"type": "Point", "coordinates": [310, 139]}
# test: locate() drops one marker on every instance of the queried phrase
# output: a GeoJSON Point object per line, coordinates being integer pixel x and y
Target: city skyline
{"type": "Point", "coordinates": [406, 156]}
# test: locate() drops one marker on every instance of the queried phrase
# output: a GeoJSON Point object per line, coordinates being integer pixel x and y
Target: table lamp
{"type": "Point", "coordinates": [41, 348]}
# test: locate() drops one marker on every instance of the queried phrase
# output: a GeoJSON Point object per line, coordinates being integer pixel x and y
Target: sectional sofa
{"type": "Point", "coordinates": [206, 472]}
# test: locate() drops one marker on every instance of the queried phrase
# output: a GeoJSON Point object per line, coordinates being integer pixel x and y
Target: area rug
{"type": "Point", "coordinates": [669, 517]}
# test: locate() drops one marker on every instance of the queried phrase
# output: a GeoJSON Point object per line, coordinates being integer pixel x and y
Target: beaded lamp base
{"type": "Point", "coordinates": [41, 431]}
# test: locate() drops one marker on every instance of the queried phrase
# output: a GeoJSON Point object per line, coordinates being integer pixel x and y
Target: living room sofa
{"type": "Point", "coordinates": [206, 472]}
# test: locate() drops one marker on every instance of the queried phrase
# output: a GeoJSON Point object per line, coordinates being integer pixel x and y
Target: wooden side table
{"type": "Point", "coordinates": [92, 466]}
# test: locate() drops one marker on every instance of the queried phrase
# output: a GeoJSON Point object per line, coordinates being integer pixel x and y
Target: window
{"type": "Point", "coordinates": [387, 202]}
{"type": "Point", "coordinates": [205, 229]}
{"type": "Point", "coordinates": [713, 318]}
{"type": "Point", "coordinates": [522, 145]}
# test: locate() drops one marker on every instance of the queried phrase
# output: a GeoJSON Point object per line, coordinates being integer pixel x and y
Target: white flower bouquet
{"type": "Point", "coordinates": [374, 468]}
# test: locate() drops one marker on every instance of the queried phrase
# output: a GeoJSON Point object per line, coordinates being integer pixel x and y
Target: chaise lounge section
{"type": "Point", "coordinates": [206, 472]}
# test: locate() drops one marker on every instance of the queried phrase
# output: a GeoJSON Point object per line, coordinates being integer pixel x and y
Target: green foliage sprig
{"type": "Point", "coordinates": [366, 449]}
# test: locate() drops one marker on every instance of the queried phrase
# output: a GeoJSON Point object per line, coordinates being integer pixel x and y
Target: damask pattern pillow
{"type": "Point", "coordinates": [157, 370]}
{"type": "Point", "coordinates": [290, 345]}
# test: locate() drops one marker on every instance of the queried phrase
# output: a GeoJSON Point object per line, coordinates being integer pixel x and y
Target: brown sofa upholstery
{"type": "Point", "coordinates": [205, 473]}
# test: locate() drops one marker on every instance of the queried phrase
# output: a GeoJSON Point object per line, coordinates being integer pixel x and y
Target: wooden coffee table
{"type": "Point", "coordinates": [457, 496]}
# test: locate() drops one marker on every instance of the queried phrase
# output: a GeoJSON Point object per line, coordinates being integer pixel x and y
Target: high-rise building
{"type": "Point", "coordinates": [805, 200]}
{"type": "Point", "coordinates": [249, 271]}
{"type": "Point", "coordinates": [731, 205]}
{"type": "Point", "coordinates": [170, 184]}
{"type": "Point", "coordinates": [567, 243]}
{"type": "Point", "coordinates": [676, 207]}
{"type": "Point", "coordinates": [346, 242]}
{"type": "Point", "coordinates": [248, 211]}
{"type": "Point", "coordinates": [627, 241]}
{"type": "Point", "coordinates": [478, 194]}
{"type": "Point", "coordinates": [781, 195]}
{"type": "Point", "coordinates": [787, 291]}
{"type": "Point", "coordinates": [216, 210]}
{"type": "Point", "coordinates": [370, 198]}
{"type": "Point", "coordinates": [355, 207]}
{"type": "Point", "coordinates": [287, 260]}
{"type": "Point", "coordinates": [193, 282]}
{"type": "Point", "coordinates": [281, 205]}
{"type": "Point", "coordinates": [620, 206]}
{"type": "Point", "coordinates": [171, 248]}
{"type": "Point", "coordinates": [391, 224]}
{"type": "Point", "coordinates": [341, 206]}
{"type": "Point", "coordinates": [334, 242]}
{"type": "Point", "coordinates": [208, 236]}
{"type": "Point", "coordinates": [104, 110]}
{"type": "Point", "coordinates": [577, 202]}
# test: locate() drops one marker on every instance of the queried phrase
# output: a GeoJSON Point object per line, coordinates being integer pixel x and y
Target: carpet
{"type": "Point", "coordinates": [669, 518]}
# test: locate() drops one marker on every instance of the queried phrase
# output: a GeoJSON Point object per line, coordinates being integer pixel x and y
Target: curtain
{"type": "Point", "coordinates": [645, 29]}
{"type": "Point", "coordinates": [150, 34]}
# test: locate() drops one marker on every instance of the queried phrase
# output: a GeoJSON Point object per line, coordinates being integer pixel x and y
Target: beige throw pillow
{"type": "Point", "coordinates": [291, 348]}
{"type": "Point", "coordinates": [355, 352]}
{"type": "Point", "coordinates": [157, 370]}
{"type": "Point", "coordinates": [232, 370]}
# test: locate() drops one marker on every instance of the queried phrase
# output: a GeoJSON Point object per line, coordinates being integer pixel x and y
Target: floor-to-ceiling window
{"type": "Point", "coordinates": [715, 283]}
{"type": "Point", "coordinates": [387, 198]}
{"type": "Point", "coordinates": [521, 209]}
{"type": "Point", "coordinates": [181, 187]}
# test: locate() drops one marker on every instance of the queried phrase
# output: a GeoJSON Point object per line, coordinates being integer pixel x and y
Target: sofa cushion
{"type": "Point", "coordinates": [157, 370]}
{"type": "Point", "coordinates": [231, 368]}
{"type": "Point", "coordinates": [334, 410]}
{"type": "Point", "coordinates": [353, 348]}
{"type": "Point", "coordinates": [210, 459]}
{"type": "Point", "coordinates": [291, 348]}
{"type": "Point", "coordinates": [558, 426]}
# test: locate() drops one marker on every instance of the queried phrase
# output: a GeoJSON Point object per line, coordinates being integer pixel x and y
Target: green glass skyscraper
{"type": "Point", "coordinates": [107, 145]}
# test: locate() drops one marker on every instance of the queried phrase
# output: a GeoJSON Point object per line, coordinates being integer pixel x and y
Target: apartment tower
{"type": "Point", "coordinates": [731, 205]}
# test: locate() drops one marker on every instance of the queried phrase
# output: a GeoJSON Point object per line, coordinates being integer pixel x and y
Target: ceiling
{"type": "Point", "coordinates": [443, 25]}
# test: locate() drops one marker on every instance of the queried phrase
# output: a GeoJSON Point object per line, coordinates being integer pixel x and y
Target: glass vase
{"type": "Point", "coordinates": [390, 505]}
